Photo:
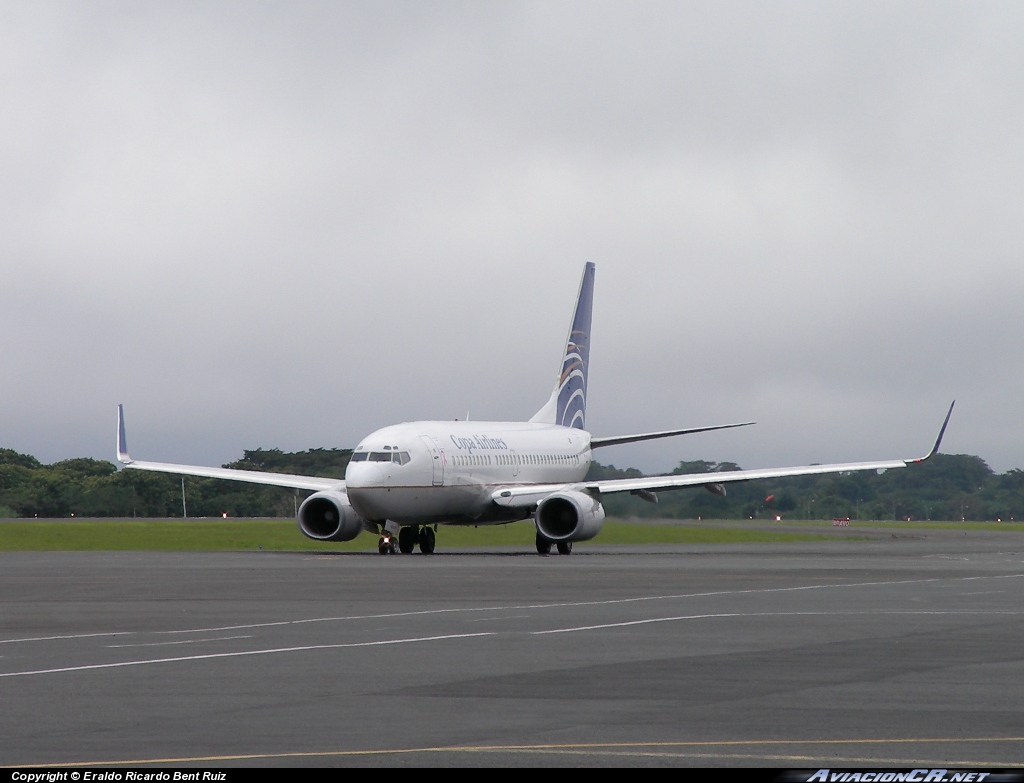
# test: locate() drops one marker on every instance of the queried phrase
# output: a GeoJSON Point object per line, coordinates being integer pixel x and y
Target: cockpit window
{"type": "Point", "coordinates": [401, 457]}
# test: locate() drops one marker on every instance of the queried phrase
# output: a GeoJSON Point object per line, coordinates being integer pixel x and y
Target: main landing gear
{"type": "Point", "coordinates": [406, 540]}
{"type": "Point", "coordinates": [544, 546]}
{"type": "Point", "coordinates": [408, 537]}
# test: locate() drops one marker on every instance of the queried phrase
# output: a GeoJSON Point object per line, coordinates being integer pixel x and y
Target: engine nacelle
{"type": "Point", "coordinates": [569, 516]}
{"type": "Point", "coordinates": [328, 516]}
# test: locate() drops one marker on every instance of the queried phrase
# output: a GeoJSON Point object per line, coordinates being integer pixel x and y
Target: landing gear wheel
{"type": "Point", "coordinates": [543, 545]}
{"type": "Point", "coordinates": [407, 540]}
{"type": "Point", "coordinates": [386, 545]}
{"type": "Point", "coordinates": [426, 540]}
{"type": "Point", "coordinates": [565, 547]}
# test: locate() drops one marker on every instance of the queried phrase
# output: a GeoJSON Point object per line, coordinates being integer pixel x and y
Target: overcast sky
{"type": "Point", "coordinates": [289, 224]}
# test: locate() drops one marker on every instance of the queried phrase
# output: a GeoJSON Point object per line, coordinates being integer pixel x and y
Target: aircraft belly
{"type": "Point", "coordinates": [419, 503]}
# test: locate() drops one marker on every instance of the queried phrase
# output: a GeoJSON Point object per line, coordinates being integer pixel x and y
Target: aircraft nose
{"type": "Point", "coordinates": [367, 474]}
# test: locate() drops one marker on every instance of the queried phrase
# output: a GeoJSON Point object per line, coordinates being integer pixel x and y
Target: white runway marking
{"type": "Point", "coordinates": [66, 636]}
{"type": "Point", "coordinates": [683, 749]}
{"type": "Point", "coordinates": [571, 629]}
{"type": "Point", "coordinates": [649, 620]}
{"type": "Point", "coordinates": [635, 622]}
{"type": "Point", "coordinates": [243, 653]}
{"type": "Point", "coordinates": [519, 607]}
{"type": "Point", "coordinates": [184, 641]}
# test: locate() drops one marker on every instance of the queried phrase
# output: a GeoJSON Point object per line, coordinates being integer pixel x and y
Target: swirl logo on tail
{"type": "Point", "coordinates": [571, 408]}
{"type": "Point", "coordinates": [567, 405]}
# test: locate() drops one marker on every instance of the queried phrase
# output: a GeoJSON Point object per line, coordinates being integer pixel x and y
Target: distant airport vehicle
{"type": "Point", "coordinates": [405, 480]}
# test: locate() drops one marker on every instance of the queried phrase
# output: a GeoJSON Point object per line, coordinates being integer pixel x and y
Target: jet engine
{"type": "Point", "coordinates": [328, 516]}
{"type": "Point", "coordinates": [569, 516]}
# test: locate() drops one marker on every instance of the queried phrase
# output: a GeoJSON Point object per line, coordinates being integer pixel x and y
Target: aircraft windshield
{"type": "Point", "coordinates": [401, 457]}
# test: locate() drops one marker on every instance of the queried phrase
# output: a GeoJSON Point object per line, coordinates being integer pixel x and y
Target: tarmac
{"type": "Point", "coordinates": [906, 649]}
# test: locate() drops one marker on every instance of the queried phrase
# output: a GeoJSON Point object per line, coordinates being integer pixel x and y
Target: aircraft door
{"type": "Point", "coordinates": [437, 460]}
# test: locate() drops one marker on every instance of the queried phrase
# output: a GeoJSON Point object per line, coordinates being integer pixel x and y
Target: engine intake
{"type": "Point", "coordinates": [328, 516]}
{"type": "Point", "coordinates": [569, 516]}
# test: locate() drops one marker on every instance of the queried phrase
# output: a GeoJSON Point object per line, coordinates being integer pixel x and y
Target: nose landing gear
{"type": "Point", "coordinates": [386, 545]}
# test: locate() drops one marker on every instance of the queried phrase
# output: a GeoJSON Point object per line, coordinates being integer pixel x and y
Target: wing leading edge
{"type": "Point", "coordinates": [528, 495]}
{"type": "Point", "coordinates": [248, 476]}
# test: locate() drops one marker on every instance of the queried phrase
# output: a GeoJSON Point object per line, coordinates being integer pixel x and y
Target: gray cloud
{"type": "Point", "coordinates": [289, 224]}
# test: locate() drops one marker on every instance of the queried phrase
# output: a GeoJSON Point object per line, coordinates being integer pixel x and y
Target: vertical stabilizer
{"type": "Point", "coordinates": [568, 403]}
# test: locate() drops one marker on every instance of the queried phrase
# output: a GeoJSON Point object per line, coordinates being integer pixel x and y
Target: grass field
{"type": "Point", "coordinates": [283, 534]}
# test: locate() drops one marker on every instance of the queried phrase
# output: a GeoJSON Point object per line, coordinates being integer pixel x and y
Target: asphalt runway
{"type": "Point", "coordinates": [907, 649]}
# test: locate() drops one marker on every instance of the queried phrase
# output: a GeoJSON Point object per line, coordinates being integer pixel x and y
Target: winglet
{"type": "Point", "coordinates": [938, 440]}
{"type": "Point", "coordinates": [122, 447]}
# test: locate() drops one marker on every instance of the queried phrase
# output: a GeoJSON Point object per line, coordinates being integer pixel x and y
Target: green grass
{"type": "Point", "coordinates": [281, 534]}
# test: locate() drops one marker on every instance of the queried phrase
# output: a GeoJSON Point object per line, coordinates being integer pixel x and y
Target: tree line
{"type": "Point", "coordinates": [947, 487]}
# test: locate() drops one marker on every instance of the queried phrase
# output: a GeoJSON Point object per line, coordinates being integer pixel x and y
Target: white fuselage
{"type": "Point", "coordinates": [448, 471]}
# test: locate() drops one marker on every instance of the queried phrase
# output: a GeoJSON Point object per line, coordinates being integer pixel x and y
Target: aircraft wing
{"type": "Point", "coordinates": [249, 476]}
{"type": "Point", "coordinates": [528, 495]}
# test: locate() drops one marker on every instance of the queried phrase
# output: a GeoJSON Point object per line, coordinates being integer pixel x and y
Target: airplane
{"type": "Point", "coordinates": [406, 479]}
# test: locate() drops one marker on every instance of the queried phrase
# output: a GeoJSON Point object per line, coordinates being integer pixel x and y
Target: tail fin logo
{"type": "Point", "coordinates": [571, 409]}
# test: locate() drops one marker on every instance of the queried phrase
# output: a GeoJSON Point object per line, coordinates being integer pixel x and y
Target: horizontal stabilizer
{"type": "Point", "coordinates": [596, 443]}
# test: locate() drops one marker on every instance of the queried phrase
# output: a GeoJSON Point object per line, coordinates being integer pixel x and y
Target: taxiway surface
{"type": "Point", "coordinates": [893, 651]}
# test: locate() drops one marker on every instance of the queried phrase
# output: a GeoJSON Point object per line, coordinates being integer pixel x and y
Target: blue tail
{"type": "Point", "coordinates": [568, 403]}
